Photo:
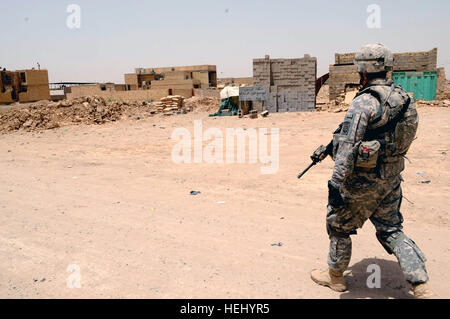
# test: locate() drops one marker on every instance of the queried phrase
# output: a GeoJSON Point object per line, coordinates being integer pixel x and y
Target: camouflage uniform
{"type": "Point", "coordinates": [371, 193]}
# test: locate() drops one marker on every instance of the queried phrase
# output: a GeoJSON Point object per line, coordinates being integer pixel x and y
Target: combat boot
{"type": "Point", "coordinates": [330, 278]}
{"type": "Point", "coordinates": [422, 291]}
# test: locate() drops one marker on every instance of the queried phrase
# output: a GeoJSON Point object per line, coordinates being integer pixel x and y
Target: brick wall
{"type": "Point", "coordinates": [407, 61]}
{"type": "Point", "coordinates": [344, 71]}
{"type": "Point", "coordinates": [340, 76]}
{"type": "Point", "coordinates": [207, 93]}
{"type": "Point", "coordinates": [442, 86]}
{"type": "Point", "coordinates": [344, 58]}
{"type": "Point", "coordinates": [416, 61]}
{"type": "Point", "coordinates": [235, 81]}
{"type": "Point", "coordinates": [135, 95]}
{"type": "Point", "coordinates": [291, 83]}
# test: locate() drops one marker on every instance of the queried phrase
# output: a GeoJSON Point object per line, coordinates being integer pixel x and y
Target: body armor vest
{"type": "Point", "coordinates": [394, 126]}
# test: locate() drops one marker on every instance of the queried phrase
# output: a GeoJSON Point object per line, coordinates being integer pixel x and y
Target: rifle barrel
{"type": "Point", "coordinates": [306, 169]}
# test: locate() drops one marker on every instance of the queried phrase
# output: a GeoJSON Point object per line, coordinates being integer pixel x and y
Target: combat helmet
{"type": "Point", "coordinates": [374, 58]}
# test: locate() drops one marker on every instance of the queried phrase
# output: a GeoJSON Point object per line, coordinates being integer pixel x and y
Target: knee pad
{"type": "Point", "coordinates": [390, 240]}
{"type": "Point", "coordinates": [397, 242]}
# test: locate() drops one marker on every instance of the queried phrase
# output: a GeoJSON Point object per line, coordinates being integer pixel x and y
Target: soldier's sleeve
{"type": "Point", "coordinates": [356, 120]}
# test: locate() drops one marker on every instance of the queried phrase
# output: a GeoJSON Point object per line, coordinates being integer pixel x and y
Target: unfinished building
{"type": "Point", "coordinates": [177, 80]}
{"type": "Point", "coordinates": [415, 71]}
{"type": "Point", "coordinates": [290, 83]}
{"type": "Point", "coordinates": [24, 86]}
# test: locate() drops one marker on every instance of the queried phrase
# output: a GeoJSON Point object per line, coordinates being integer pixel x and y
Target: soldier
{"type": "Point", "coordinates": [369, 149]}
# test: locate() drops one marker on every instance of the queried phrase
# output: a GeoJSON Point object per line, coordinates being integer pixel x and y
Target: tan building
{"type": "Point", "coordinates": [92, 89]}
{"type": "Point", "coordinates": [24, 86]}
{"type": "Point", "coordinates": [177, 80]}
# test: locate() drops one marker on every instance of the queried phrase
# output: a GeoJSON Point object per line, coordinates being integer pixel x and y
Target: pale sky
{"type": "Point", "coordinates": [117, 36]}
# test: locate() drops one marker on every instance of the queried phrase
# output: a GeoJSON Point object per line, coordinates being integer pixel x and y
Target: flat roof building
{"type": "Point", "coordinates": [24, 86]}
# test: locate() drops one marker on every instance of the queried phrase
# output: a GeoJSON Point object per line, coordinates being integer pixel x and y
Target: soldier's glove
{"type": "Point", "coordinates": [320, 153]}
{"type": "Point", "coordinates": [334, 195]}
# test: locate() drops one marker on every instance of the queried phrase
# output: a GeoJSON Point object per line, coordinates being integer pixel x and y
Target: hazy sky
{"type": "Point", "coordinates": [117, 36]}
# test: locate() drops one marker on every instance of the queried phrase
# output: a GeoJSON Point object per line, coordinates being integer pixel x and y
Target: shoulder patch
{"type": "Point", "coordinates": [348, 123]}
{"type": "Point", "coordinates": [345, 128]}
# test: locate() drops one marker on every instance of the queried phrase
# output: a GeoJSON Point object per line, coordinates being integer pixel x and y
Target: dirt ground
{"type": "Point", "coordinates": [108, 199]}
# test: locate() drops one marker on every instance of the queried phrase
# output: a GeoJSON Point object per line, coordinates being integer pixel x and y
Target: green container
{"type": "Point", "coordinates": [422, 84]}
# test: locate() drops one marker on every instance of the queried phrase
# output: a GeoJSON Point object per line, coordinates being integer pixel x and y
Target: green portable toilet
{"type": "Point", "coordinates": [422, 84]}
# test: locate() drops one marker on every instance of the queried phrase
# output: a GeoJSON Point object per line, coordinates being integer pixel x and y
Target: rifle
{"type": "Point", "coordinates": [319, 154]}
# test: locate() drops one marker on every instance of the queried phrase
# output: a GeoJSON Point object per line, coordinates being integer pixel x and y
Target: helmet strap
{"type": "Point", "coordinates": [364, 79]}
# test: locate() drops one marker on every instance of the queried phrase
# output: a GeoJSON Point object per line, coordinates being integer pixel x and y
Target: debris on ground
{"type": "Point", "coordinates": [264, 113]}
{"type": "Point", "coordinates": [45, 115]}
{"type": "Point", "coordinates": [332, 107]}
{"type": "Point", "coordinates": [437, 103]}
{"type": "Point", "coordinates": [203, 104]}
{"type": "Point", "coordinates": [253, 114]}
{"type": "Point", "coordinates": [194, 192]}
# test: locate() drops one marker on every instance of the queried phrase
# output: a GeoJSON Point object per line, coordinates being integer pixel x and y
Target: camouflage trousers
{"type": "Point", "coordinates": [369, 197]}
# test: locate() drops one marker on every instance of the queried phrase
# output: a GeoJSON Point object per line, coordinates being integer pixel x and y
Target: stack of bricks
{"type": "Point", "coordinates": [171, 104]}
{"type": "Point", "coordinates": [291, 83]}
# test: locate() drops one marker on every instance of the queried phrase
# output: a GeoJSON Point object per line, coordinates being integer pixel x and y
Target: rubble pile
{"type": "Point", "coordinates": [442, 103]}
{"type": "Point", "coordinates": [87, 110]}
{"type": "Point", "coordinates": [332, 106]}
{"type": "Point", "coordinates": [203, 104]}
{"type": "Point", "coordinates": [44, 115]}
{"type": "Point", "coordinates": [337, 106]}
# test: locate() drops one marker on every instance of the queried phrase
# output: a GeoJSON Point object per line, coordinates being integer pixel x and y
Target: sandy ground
{"type": "Point", "coordinates": [110, 200]}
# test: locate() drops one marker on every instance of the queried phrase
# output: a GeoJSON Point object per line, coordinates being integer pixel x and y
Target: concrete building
{"type": "Point", "coordinates": [290, 83]}
{"type": "Point", "coordinates": [114, 92]}
{"type": "Point", "coordinates": [417, 66]}
{"type": "Point", "coordinates": [93, 89]}
{"type": "Point", "coordinates": [24, 86]}
{"type": "Point", "coordinates": [177, 80]}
